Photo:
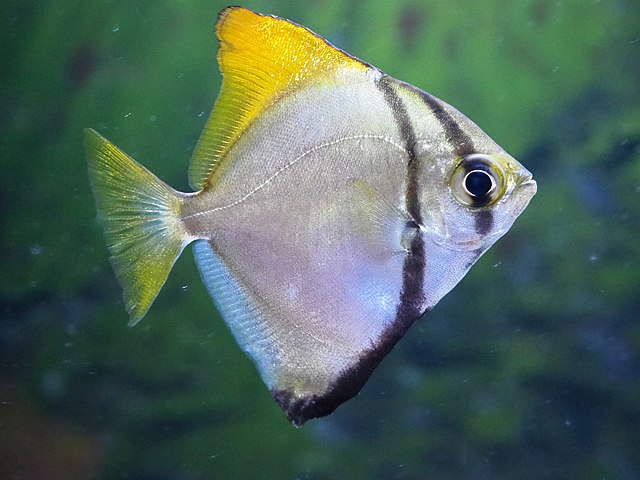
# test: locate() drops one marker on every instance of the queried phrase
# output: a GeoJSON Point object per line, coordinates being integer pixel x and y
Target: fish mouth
{"type": "Point", "coordinates": [530, 186]}
{"type": "Point", "coordinates": [526, 180]}
{"type": "Point", "coordinates": [525, 189]}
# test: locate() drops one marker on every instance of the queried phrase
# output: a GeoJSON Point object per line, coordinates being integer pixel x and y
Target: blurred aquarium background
{"type": "Point", "coordinates": [529, 369]}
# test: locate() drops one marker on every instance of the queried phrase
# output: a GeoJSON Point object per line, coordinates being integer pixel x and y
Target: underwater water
{"type": "Point", "coordinates": [529, 368]}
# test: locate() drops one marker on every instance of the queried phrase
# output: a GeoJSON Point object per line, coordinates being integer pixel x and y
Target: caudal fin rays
{"type": "Point", "coordinates": [140, 217]}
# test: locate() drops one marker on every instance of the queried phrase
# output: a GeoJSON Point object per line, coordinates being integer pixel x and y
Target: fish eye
{"type": "Point", "coordinates": [477, 181]}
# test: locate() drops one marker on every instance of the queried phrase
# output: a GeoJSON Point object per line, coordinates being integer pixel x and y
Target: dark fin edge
{"type": "Point", "coordinates": [351, 381]}
{"type": "Point", "coordinates": [348, 384]}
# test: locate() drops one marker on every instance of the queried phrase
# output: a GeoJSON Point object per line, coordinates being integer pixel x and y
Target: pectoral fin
{"type": "Point", "coordinates": [378, 218]}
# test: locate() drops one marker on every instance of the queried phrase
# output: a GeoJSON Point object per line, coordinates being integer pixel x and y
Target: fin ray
{"type": "Point", "coordinates": [239, 312]}
{"type": "Point", "coordinates": [260, 58]}
{"type": "Point", "coordinates": [140, 217]}
{"type": "Point", "coordinates": [376, 217]}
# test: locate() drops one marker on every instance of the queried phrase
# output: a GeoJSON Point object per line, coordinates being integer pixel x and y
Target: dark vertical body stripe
{"type": "Point", "coordinates": [409, 137]}
{"type": "Point", "coordinates": [412, 296]}
{"type": "Point", "coordinates": [411, 301]}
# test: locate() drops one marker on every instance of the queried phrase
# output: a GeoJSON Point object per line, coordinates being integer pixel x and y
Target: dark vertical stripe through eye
{"type": "Point", "coordinates": [459, 140]}
{"type": "Point", "coordinates": [484, 221]}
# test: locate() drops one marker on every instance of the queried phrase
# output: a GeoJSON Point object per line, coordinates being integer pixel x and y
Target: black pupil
{"type": "Point", "coordinates": [478, 183]}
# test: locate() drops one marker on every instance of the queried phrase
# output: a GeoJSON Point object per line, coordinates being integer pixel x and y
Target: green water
{"type": "Point", "coordinates": [529, 369]}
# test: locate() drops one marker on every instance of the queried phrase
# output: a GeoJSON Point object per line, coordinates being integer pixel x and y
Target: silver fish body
{"type": "Point", "coordinates": [327, 223]}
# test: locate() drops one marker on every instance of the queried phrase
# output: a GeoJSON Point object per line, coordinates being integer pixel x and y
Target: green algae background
{"type": "Point", "coordinates": [528, 369]}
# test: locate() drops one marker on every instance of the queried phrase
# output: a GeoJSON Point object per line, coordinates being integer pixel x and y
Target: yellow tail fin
{"type": "Point", "coordinates": [140, 217]}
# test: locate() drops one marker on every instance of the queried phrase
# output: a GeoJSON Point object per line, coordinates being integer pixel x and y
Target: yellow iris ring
{"type": "Point", "coordinates": [472, 163]}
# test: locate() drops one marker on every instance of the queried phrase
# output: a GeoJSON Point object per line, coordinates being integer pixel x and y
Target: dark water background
{"type": "Point", "coordinates": [529, 369]}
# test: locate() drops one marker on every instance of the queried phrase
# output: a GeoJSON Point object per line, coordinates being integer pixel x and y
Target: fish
{"type": "Point", "coordinates": [332, 207]}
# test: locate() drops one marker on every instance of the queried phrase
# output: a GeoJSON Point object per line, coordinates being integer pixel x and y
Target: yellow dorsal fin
{"type": "Point", "coordinates": [260, 57]}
